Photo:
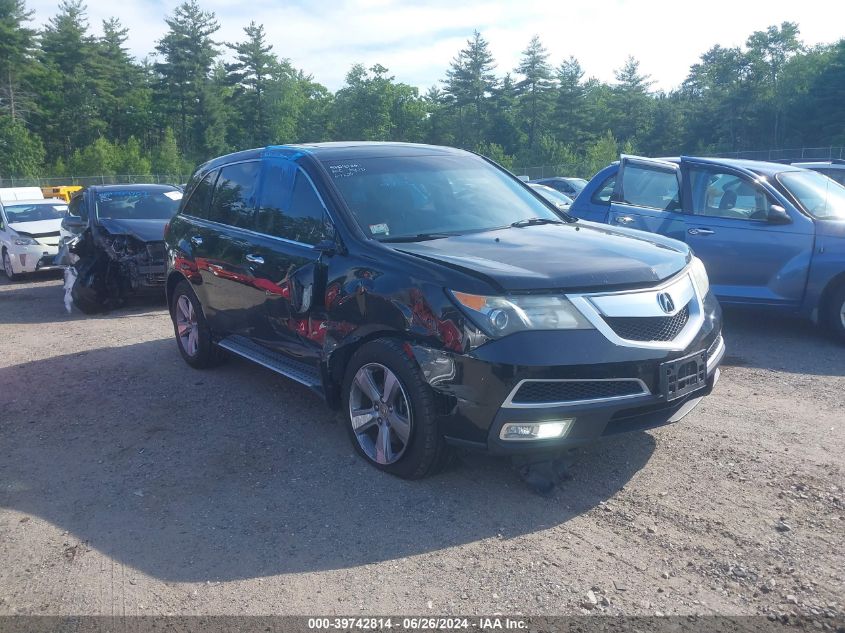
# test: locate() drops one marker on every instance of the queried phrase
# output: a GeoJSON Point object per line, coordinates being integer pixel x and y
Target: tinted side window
{"type": "Point", "coordinates": [233, 202]}
{"type": "Point", "coordinates": [650, 187]}
{"type": "Point", "coordinates": [296, 215]}
{"type": "Point", "coordinates": [726, 195]}
{"type": "Point", "coordinates": [605, 191]}
{"type": "Point", "coordinates": [197, 205]}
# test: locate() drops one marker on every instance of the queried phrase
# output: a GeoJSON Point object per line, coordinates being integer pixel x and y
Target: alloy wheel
{"type": "Point", "coordinates": [380, 413]}
{"type": "Point", "coordinates": [7, 265]}
{"type": "Point", "coordinates": [186, 325]}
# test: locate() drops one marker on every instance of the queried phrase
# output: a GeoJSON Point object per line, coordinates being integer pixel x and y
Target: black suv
{"type": "Point", "coordinates": [438, 300]}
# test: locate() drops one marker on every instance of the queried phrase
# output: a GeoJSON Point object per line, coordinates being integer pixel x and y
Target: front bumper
{"type": "Point", "coordinates": [29, 259]}
{"type": "Point", "coordinates": [477, 389]}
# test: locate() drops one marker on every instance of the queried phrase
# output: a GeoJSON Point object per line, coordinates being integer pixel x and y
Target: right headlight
{"type": "Point", "coordinates": [699, 276]}
{"type": "Point", "coordinates": [24, 241]}
{"type": "Point", "coordinates": [499, 316]}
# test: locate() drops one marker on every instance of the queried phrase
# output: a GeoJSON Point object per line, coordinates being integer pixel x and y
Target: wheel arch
{"type": "Point", "coordinates": [338, 359]}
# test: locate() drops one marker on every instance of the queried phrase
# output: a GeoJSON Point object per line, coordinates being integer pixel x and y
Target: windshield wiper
{"type": "Point", "coordinates": [419, 237]}
{"type": "Point", "coordinates": [534, 222]}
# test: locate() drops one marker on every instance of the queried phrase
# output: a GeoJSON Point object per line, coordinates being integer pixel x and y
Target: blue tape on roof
{"type": "Point", "coordinates": [282, 151]}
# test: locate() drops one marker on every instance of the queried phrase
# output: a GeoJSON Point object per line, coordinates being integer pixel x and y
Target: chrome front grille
{"type": "Point", "coordinates": [536, 393]}
{"type": "Point", "coordinates": [653, 328]}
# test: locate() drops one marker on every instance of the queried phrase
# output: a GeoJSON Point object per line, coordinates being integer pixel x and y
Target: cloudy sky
{"type": "Point", "coordinates": [417, 39]}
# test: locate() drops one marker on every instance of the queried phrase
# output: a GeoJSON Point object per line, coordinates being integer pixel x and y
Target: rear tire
{"type": "Point", "coordinates": [396, 429]}
{"type": "Point", "coordinates": [836, 313]}
{"type": "Point", "coordinates": [193, 336]}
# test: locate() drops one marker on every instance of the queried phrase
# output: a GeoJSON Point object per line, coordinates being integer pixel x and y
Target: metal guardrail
{"type": "Point", "coordinates": [85, 181]}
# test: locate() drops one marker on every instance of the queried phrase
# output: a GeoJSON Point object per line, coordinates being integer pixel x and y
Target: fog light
{"type": "Point", "coordinates": [536, 430]}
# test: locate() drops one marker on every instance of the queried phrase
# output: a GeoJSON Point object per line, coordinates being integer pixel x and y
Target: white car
{"type": "Point", "coordinates": [29, 234]}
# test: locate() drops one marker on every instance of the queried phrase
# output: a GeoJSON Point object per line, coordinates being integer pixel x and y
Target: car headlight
{"type": "Point", "coordinates": [498, 316]}
{"type": "Point", "coordinates": [25, 241]}
{"type": "Point", "coordinates": [699, 276]}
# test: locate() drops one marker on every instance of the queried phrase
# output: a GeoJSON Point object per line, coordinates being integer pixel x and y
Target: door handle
{"type": "Point", "coordinates": [196, 240]}
{"type": "Point", "coordinates": [700, 231]}
{"type": "Point", "coordinates": [624, 219]}
{"type": "Point", "coordinates": [254, 259]}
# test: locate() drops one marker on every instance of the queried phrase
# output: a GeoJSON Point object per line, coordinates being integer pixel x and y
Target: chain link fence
{"type": "Point", "coordinates": [799, 153]}
{"type": "Point", "coordinates": [86, 181]}
{"type": "Point", "coordinates": [546, 171]}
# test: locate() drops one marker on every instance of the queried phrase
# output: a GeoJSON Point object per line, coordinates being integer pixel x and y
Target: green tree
{"type": "Point", "coordinates": [251, 73]}
{"type": "Point", "coordinates": [17, 48]}
{"type": "Point", "coordinates": [571, 107]}
{"type": "Point", "coordinates": [534, 90]}
{"type": "Point", "coordinates": [100, 158]}
{"type": "Point", "coordinates": [131, 158]}
{"type": "Point", "coordinates": [70, 107]}
{"type": "Point", "coordinates": [469, 83]}
{"type": "Point", "coordinates": [21, 153]}
{"type": "Point", "coordinates": [188, 53]}
{"type": "Point", "coordinates": [166, 158]}
{"type": "Point", "coordinates": [123, 86]}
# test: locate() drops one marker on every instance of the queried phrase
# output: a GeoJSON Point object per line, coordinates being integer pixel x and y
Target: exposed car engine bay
{"type": "Point", "coordinates": [104, 270]}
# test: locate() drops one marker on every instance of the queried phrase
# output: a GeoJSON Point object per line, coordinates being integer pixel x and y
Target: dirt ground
{"type": "Point", "coordinates": [132, 484]}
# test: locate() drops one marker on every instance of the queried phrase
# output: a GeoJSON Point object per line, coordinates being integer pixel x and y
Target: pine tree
{"type": "Point", "coordinates": [534, 90]}
{"type": "Point", "coordinates": [188, 54]}
{"type": "Point", "coordinates": [251, 74]}
{"type": "Point", "coordinates": [17, 46]}
{"type": "Point", "coordinates": [470, 81]}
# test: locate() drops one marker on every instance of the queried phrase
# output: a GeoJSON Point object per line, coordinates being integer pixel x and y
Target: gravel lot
{"type": "Point", "coordinates": [131, 484]}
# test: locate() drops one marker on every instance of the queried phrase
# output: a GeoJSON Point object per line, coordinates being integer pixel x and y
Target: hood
{"type": "Point", "coordinates": [37, 227]}
{"type": "Point", "coordinates": [144, 230]}
{"type": "Point", "coordinates": [576, 256]}
{"type": "Point", "coordinates": [45, 231]}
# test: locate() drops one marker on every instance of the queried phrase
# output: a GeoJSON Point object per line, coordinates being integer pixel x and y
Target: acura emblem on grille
{"type": "Point", "coordinates": [664, 300]}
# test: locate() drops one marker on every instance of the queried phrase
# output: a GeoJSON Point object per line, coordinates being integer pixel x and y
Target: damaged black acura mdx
{"type": "Point", "coordinates": [113, 243]}
{"type": "Point", "coordinates": [438, 301]}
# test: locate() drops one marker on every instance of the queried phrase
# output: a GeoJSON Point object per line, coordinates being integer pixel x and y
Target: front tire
{"type": "Point", "coordinates": [193, 336]}
{"type": "Point", "coordinates": [7, 267]}
{"type": "Point", "coordinates": [390, 412]}
{"type": "Point", "coordinates": [836, 313]}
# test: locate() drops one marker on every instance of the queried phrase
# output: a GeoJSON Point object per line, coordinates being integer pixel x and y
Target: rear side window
{"type": "Point", "coordinates": [650, 187]}
{"type": "Point", "coordinates": [197, 205]}
{"type": "Point", "coordinates": [298, 214]}
{"type": "Point", "coordinates": [233, 202]}
{"type": "Point", "coordinates": [603, 194]}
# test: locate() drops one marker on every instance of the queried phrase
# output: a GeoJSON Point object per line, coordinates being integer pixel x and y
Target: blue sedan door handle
{"type": "Point", "coordinates": [624, 219]}
{"type": "Point", "coordinates": [701, 231]}
{"type": "Point", "coordinates": [196, 240]}
{"type": "Point", "coordinates": [254, 259]}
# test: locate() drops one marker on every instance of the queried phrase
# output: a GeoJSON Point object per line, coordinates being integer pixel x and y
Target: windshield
{"type": "Point", "coordinates": [405, 196]}
{"type": "Point", "coordinates": [35, 212]}
{"type": "Point", "coordinates": [552, 195]}
{"type": "Point", "coordinates": [820, 196]}
{"type": "Point", "coordinates": [137, 204]}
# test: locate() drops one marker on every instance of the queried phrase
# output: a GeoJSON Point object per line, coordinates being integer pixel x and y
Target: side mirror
{"type": "Point", "coordinates": [778, 215]}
